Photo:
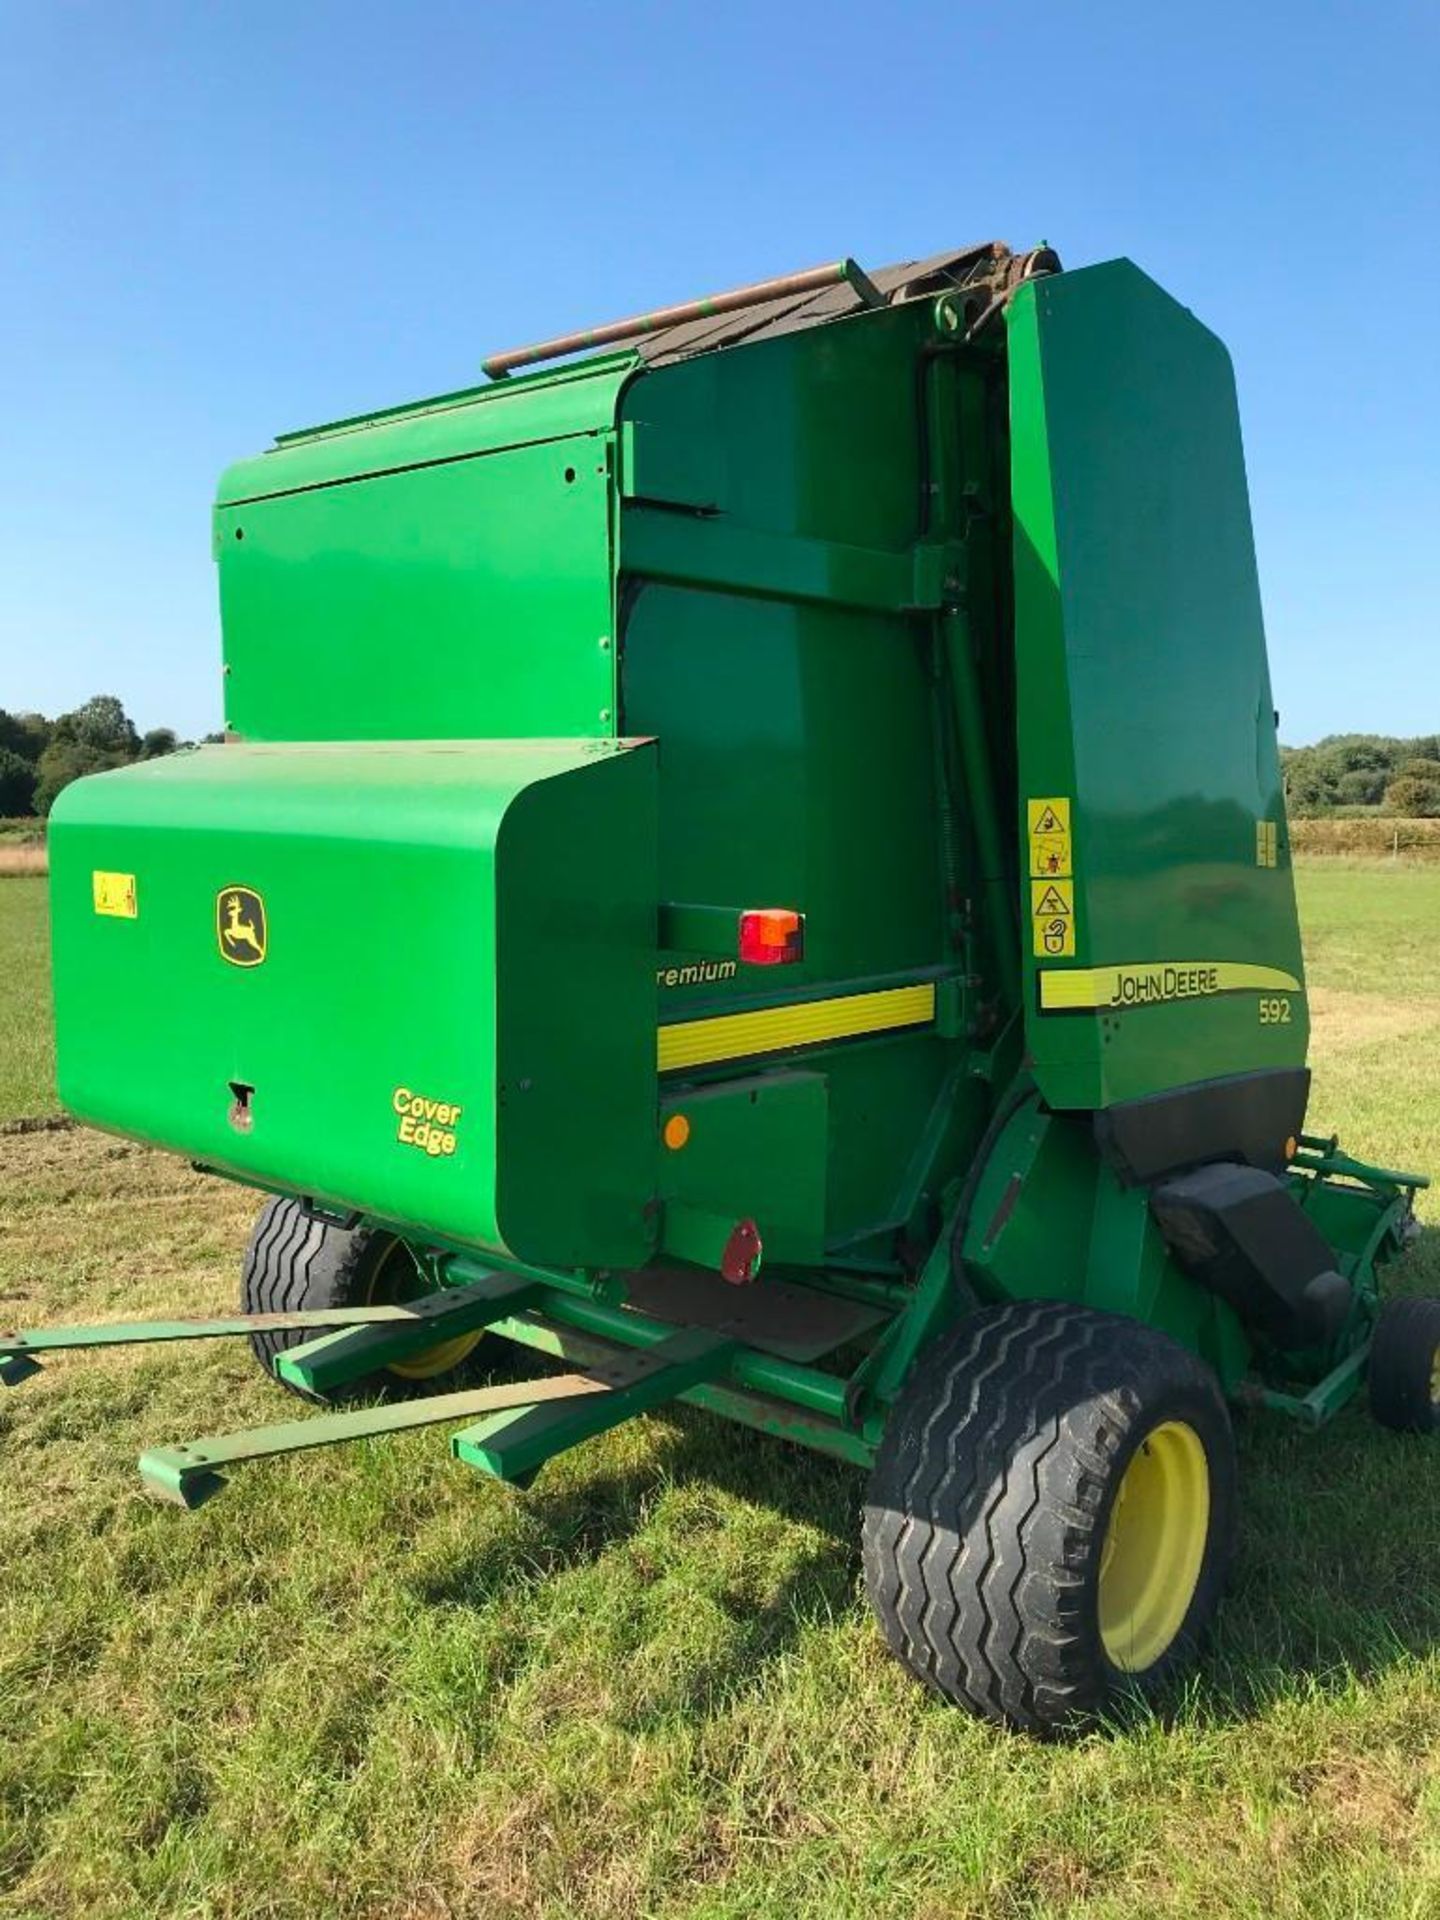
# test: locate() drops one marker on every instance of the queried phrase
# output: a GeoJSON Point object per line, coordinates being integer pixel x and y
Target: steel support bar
{"type": "Point", "coordinates": [780, 1420]}
{"type": "Point", "coordinates": [1324, 1400]}
{"type": "Point", "coordinates": [336, 1359]}
{"type": "Point", "coordinates": [856, 1283]}
{"type": "Point", "coordinates": [1323, 1157]}
{"type": "Point", "coordinates": [786, 286]}
{"type": "Point", "coordinates": [512, 1445]}
{"type": "Point", "coordinates": [189, 1475]}
{"type": "Point", "coordinates": [18, 1351]}
{"type": "Point", "coordinates": [763, 1373]}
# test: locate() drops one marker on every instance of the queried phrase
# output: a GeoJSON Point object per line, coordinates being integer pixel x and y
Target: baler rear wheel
{"type": "Point", "coordinates": [1051, 1513]}
{"type": "Point", "coordinates": [1405, 1366]}
{"type": "Point", "coordinates": [296, 1261]}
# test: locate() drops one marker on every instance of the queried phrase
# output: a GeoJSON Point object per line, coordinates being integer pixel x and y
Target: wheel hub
{"type": "Point", "coordinates": [399, 1278]}
{"type": "Point", "coordinates": [1154, 1546]}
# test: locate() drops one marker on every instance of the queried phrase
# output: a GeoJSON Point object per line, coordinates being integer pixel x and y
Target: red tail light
{"type": "Point", "coordinates": [771, 936]}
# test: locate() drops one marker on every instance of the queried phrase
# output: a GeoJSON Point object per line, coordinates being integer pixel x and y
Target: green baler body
{"type": "Point", "coordinates": [678, 631]}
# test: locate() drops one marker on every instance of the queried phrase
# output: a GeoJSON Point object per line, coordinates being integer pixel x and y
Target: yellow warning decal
{"type": "Point", "coordinates": [115, 894]}
{"type": "Point", "coordinates": [1267, 843]}
{"type": "Point", "coordinates": [1154, 983]}
{"type": "Point", "coordinates": [1050, 849]}
{"type": "Point", "coordinates": [1052, 914]}
{"type": "Point", "coordinates": [734, 1036]}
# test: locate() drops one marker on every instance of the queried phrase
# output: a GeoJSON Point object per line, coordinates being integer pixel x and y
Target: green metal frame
{"type": "Point", "coordinates": [633, 1362]}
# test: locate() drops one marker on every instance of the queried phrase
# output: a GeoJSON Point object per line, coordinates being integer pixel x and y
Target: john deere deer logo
{"type": "Point", "coordinates": [240, 925]}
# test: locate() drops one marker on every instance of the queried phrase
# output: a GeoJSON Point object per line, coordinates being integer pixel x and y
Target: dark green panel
{"type": "Point", "coordinates": [883, 1096]}
{"type": "Point", "coordinates": [767, 645]}
{"type": "Point", "coordinates": [753, 1148]}
{"type": "Point", "coordinates": [1143, 692]}
{"type": "Point", "coordinates": [811, 433]}
{"type": "Point", "coordinates": [778, 788]}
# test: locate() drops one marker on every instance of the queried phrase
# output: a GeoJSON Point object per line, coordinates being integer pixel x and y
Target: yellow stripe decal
{"type": "Point", "coordinates": [731, 1036]}
{"type": "Point", "coordinates": [1148, 983]}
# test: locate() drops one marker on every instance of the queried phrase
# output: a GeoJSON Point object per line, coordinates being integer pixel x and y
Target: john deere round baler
{"type": "Point", "coordinates": [754, 862]}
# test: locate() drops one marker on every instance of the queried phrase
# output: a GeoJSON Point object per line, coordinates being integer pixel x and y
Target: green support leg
{"type": "Point", "coordinates": [189, 1475]}
{"type": "Point", "coordinates": [337, 1359]}
{"type": "Point", "coordinates": [511, 1446]}
{"type": "Point", "coordinates": [19, 1351]}
{"type": "Point", "coordinates": [1324, 1400]}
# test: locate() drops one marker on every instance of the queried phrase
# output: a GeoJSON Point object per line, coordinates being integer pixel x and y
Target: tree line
{"type": "Point", "coordinates": [1349, 772]}
{"type": "Point", "coordinates": [1355, 772]}
{"type": "Point", "coordinates": [39, 757]}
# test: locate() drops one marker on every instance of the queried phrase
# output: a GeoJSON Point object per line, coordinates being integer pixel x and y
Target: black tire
{"type": "Point", "coordinates": [1405, 1366]}
{"type": "Point", "coordinates": [989, 1510]}
{"type": "Point", "coordinates": [294, 1261]}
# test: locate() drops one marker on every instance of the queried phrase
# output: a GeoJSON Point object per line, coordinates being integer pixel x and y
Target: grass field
{"type": "Point", "coordinates": [27, 1051]}
{"type": "Point", "coordinates": [370, 1685]}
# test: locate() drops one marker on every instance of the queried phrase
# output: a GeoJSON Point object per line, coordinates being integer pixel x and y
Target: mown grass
{"type": "Point", "coordinates": [366, 1684]}
{"type": "Point", "coordinates": [27, 1046]}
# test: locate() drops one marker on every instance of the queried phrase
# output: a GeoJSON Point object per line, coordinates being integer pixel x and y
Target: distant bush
{"type": "Point", "coordinates": [1415, 792]}
{"type": "Point", "coordinates": [1361, 787]}
{"type": "Point", "coordinates": [1362, 770]}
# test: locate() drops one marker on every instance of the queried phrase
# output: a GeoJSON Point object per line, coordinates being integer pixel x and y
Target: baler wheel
{"type": "Point", "coordinates": [295, 1260]}
{"type": "Point", "coordinates": [1051, 1513]}
{"type": "Point", "coordinates": [1405, 1366]}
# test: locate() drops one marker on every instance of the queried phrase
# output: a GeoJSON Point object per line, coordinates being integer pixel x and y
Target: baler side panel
{"type": "Point", "coordinates": [442, 576]}
{"type": "Point", "coordinates": [1143, 700]}
{"type": "Point", "coordinates": [419, 1025]}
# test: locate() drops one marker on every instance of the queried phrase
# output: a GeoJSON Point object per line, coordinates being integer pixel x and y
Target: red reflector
{"type": "Point", "coordinates": [740, 1261]}
{"type": "Point", "coordinates": [771, 936]}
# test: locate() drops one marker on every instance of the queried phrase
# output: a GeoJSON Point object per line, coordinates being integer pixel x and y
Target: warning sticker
{"type": "Point", "coordinates": [1049, 824]}
{"type": "Point", "coordinates": [1267, 843]}
{"type": "Point", "coordinates": [1052, 913]}
{"type": "Point", "coordinates": [115, 894]}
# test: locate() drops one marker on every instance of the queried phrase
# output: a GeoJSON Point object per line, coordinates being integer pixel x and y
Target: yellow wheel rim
{"type": "Point", "coordinates": [1435, 1378]}
{"type": "Point", "coordinates": [1154, 1546]}
{"type": "Point", "coordinates": [398, 1278]}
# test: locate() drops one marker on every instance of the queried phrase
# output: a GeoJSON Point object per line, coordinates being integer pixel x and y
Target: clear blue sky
{"type": "Point", "coordinates": [218, 222]}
